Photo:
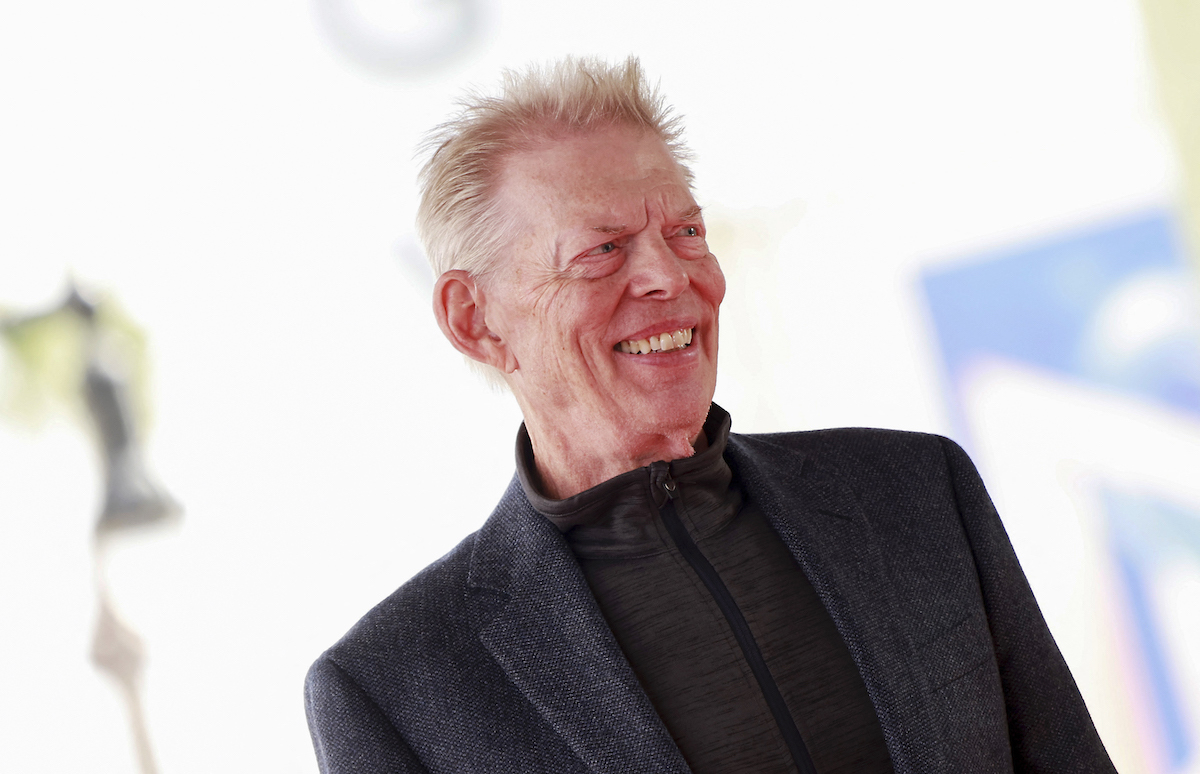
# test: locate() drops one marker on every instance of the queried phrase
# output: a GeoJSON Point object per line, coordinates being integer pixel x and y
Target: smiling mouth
{"type": "Point", "coordinates": [662, 342]}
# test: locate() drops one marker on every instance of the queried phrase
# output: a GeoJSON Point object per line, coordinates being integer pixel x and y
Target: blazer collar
{"type": "Point", "coordinates": [826, 531]}
{"type": "Point", "coordinates": [551, 639]}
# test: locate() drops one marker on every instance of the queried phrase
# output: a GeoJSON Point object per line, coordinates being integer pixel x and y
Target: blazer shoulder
{"type": "Point", "coordinates": [438, 612]}
{"type": "Point", "coordinates": [861, 457]}
{"type": "Point", "coordinates": [850, 443]}
{"type": "Point", "coordinates": [415, 618]}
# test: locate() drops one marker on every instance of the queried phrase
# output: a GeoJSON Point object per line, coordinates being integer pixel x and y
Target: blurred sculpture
{"type": "Point", "coordinates": [131, 498]}
{"type": "Point", "coordinates": [83, 349]}
{"type": "Point", "coordinates": [117, 650]}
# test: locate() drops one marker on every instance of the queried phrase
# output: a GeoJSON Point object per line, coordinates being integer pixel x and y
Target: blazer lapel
{"type": "Point", "coordinates": [823, 526]}
{"type": "Point", "coordinates": [552, 641]}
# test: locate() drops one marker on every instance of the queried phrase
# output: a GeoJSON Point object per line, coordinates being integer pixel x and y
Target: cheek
{"type": "Point", "coordinates": [577, 323]}
{"type": "Point", "coordinates": [710, 280]}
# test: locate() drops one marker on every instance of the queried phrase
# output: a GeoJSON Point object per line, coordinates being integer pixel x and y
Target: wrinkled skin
{"type": "Point", "coordinates": [608, 245]}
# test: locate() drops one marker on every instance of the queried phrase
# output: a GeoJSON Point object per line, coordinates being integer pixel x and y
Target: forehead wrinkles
{"type": "Point", "coordinates": [555, 192]}
{"type": "Point", "coordinates": [672, 201]}
{"type": "Point", "coordinates": [629, 206]}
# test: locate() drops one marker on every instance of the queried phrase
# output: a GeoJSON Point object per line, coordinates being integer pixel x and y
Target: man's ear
{"type": "Point", "coordinates": [460, 304]}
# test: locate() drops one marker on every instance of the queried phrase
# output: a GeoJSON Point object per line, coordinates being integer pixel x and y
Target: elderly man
{"type": "Point", "coordinates": [654, 593]}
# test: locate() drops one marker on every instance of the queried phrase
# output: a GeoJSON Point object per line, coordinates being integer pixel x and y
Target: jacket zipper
{"type": "Point", "coordinates": [733, 614]}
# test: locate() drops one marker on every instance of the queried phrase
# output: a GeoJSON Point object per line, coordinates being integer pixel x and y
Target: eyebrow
{"type": "Point", "coordinates": [691, 213]}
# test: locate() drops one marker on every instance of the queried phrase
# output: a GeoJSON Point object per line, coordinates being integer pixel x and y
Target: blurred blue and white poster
{"type": "Point", "coordinates": [1072, 372]}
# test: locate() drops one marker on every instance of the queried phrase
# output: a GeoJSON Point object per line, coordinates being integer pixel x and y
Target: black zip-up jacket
{"type": "Point", "coordinates": [740, 659]}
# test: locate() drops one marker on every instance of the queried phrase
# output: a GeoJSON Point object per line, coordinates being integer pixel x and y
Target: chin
{"type": "Point", "coordinates": [674, 415]}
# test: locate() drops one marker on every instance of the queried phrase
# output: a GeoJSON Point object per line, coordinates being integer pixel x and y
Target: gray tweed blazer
{"type": "Point", "coordinates": [496, 658]}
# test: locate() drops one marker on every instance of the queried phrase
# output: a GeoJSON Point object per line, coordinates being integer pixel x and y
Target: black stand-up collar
{"type": "Point", "coordinates": [617, 516]}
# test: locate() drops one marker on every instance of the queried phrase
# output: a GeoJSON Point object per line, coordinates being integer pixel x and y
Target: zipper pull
{"type": "Point", "coordinates": [660, 473]}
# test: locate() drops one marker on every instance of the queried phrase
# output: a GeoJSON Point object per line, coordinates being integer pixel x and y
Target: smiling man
{"type": "Point", "coordinates": [654, 593]}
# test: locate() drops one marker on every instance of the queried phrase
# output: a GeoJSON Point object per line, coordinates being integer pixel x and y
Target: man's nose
{"type": "Point", "coordinates": [657, 271]}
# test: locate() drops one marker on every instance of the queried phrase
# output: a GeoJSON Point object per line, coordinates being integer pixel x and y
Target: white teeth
{"type": "Point", "coordinates": [662, 342]}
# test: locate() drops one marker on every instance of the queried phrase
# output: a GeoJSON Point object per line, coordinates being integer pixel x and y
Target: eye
{"type": "Point", "coordinates": [691, 231]}
{"type": "Point", "coordinates": [607, 247]}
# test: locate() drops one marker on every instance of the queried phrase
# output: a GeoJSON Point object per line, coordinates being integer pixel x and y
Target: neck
{"type": "Point", "coordinates": [569, 463]}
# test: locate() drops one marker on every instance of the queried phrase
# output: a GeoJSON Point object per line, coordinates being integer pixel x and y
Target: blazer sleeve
{"type": "Point", "coordinates": [1049, 727]}
{"type": "Point", "coordinates": [350, 732]}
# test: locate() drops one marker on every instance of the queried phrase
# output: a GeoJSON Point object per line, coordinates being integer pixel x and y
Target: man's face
{"type": "Point", "coordinates": [608, 256]}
